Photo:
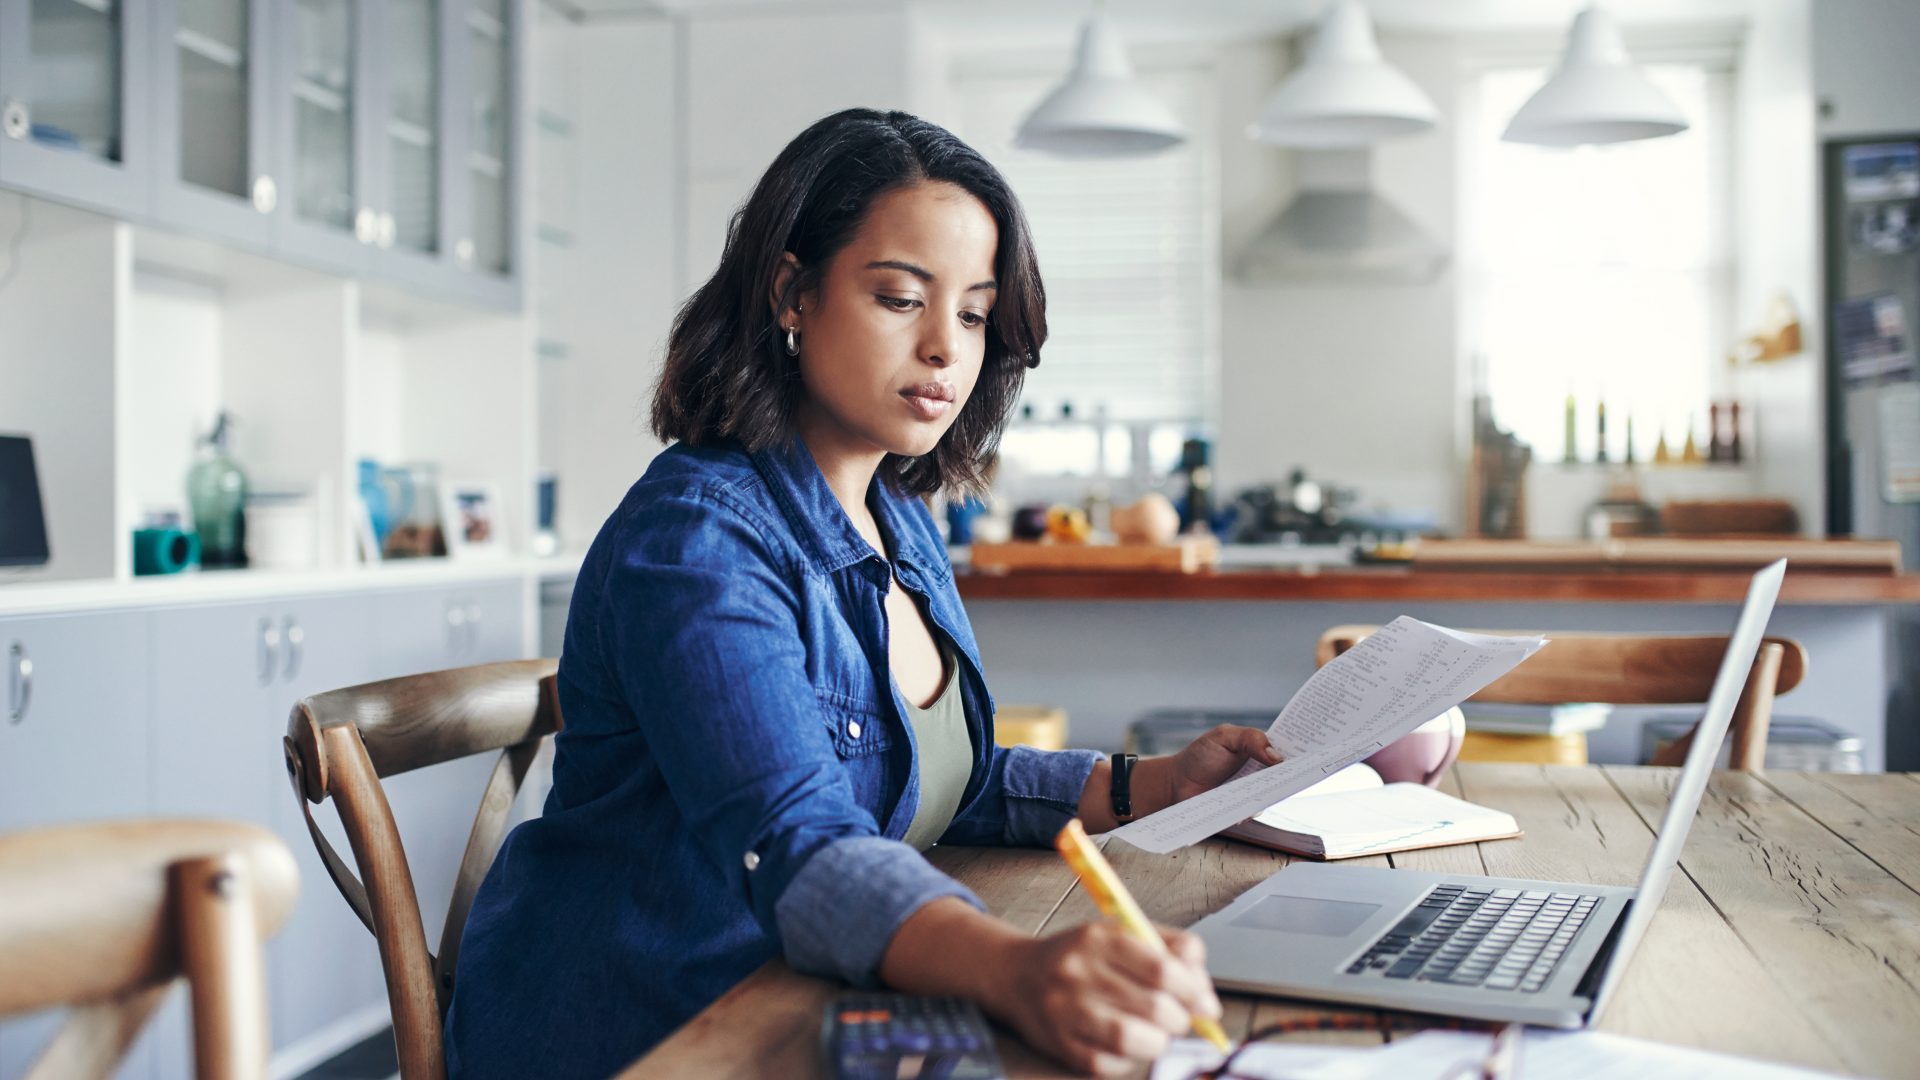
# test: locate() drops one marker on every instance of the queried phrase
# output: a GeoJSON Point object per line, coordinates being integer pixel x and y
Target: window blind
{"type": "Point", "coordinates": [1128, 250]}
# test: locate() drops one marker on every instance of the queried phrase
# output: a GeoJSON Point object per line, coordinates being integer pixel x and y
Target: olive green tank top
{"type": "Point", "coordinates": [945, 758]}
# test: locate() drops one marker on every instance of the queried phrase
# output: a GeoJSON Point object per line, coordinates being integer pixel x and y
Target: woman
{"type": "Point", "coordinates": [772, 695]}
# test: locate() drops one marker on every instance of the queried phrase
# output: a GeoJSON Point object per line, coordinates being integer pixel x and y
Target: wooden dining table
{"type": "Point", "coordinates": [1792, 933]}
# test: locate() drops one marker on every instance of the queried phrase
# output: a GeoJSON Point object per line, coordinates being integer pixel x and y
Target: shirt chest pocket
{"type": "Point", "coordinates": [856, 727]}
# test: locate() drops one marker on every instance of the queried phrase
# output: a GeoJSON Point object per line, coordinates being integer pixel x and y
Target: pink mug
{"type": "Point", "coordinates": [1423, 754]}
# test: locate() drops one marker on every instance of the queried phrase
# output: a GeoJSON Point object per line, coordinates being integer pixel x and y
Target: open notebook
{"type": "Point", "coordinates": [1353, 812]}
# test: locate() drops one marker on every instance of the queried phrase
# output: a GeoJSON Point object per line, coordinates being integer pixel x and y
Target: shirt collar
{"type": "Point", "coordinates": [825, 530]}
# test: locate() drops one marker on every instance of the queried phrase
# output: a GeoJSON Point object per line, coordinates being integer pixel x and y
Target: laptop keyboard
{"type": "Point", "coordinates": [1499, 939]}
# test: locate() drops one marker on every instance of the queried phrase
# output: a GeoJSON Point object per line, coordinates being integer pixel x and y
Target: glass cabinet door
{"type": "Point", "coordinates": [410, 219]}
{"type": "Point", "coordinates": [488, 244]}
{"type": "Point", "coordinates": [209, 95]}
{"type": "Point", "coordinates": [325, 213]}
{"type": "Point", "coordinates": [68, 69]}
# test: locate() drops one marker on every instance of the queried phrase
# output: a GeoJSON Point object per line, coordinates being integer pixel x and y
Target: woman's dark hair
{"type": "Point", "coordinates": [727, 374]}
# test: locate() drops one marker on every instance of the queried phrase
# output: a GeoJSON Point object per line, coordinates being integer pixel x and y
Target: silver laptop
{"type": "Point", "coordinates": [1538, 952]}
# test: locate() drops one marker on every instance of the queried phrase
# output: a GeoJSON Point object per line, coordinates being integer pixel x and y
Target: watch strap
{"type": "Point", "coordinates": [1122, 786]}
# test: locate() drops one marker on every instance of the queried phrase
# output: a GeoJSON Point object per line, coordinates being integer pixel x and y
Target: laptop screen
{"type": "Point", "coordinates": [1692, 783]}
{"type": "Point", "coordinates": [23, 525]}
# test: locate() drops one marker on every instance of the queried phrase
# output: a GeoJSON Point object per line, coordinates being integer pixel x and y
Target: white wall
{"type": "Point", "coordinates": [620, 281]}
{"type": "Point", "coordinates": [1354, 383]}
{"type": "Point", "coordinates": [754, 81]}
{"type": "Point", "coordinates": [70, 271]}
{"type": "Point", "coordinates": [1776, 226]}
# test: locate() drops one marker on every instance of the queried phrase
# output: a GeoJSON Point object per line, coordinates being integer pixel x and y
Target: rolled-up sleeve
{"type": "Point", "coordinates": [704, 620]}
{"type": "Point", "coordinates": [1027, 798]}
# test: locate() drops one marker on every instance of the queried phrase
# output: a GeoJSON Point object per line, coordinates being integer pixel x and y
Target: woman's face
{"type": "Point", "coordinates": [892, 340]}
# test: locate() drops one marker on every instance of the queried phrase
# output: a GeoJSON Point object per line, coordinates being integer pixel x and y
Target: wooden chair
{"type": "Point", "coordinates": [103, 918]}
{"type": "Point", "coordinates": [1638, 669]}
{"type": "Point", "coordinates": [340, 745]}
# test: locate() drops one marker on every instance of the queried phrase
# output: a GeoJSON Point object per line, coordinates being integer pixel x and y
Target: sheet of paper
{"type": "Point", "coordinates": [1433, 1055]}
{"type": "Point", "coordinates": [1405, 674]}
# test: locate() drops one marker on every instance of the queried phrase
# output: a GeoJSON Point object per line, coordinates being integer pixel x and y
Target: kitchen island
{"type": "Point", "coordinates": [1108, 647]}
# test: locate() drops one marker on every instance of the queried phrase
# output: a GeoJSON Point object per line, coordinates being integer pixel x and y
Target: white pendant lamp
{"type": "Point", "coordinates": [1345, 94]}
{"type": "Point", "coordinates": [1596, 95]}
{"type": "Point", "coordinates": [1101, 110]}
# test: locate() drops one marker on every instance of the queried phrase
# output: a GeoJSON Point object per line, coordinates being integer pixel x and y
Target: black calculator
{"type": "Point", "coordinates": [903, 1037]}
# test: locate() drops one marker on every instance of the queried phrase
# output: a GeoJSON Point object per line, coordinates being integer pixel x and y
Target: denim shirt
{"type": "Point", "coordinates": [736, 771]}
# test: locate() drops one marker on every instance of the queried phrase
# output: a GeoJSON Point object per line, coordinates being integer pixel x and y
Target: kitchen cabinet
{"type": "Point", "coordinates": [369, 138]}
{"type": "Point", "coordinates": [489, 81]}
{"type": "Point", "coordinates": [430, 630]}
{"type": "Point", "coordinates": [72, 79]}
{"type": "Point", "coordinates": [214, 171]}
{"type": "Point", "coordinates": [226, 677]}
{"type": "Point", "coordinates": [323, 127]}
{"type": "Point", "coordinates": [395, 133]}
{"type": "Point", "coordinates": [73, 747]}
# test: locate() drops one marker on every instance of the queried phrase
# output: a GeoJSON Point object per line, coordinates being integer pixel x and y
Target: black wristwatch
{"type": "Point", "coordinates": [1122, 786]}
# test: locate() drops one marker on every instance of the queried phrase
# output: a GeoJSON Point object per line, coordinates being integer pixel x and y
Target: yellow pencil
{"type": "Point", "coordinates": [1115, 902]}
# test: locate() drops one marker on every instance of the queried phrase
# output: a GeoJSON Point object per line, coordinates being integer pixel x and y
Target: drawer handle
{"type": "Point", "coordinates": [269, 650]}
{"type": "Point", "coordinates": [473, 628]}
{"type": "Point", "coordinates": [296, 649]}
{"type": "Point", "coordinates": [20, 692]}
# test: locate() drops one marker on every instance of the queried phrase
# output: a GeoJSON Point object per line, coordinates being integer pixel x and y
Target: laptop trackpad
{"type": "Point", "coordinates": [1306, 915]}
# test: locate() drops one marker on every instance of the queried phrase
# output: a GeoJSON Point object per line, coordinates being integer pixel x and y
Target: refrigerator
{"type": "Point", "coordinates": [1870, 196]}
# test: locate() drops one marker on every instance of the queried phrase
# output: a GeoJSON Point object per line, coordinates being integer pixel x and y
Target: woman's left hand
{"type": "Point", "coordinates": [1213, 758]}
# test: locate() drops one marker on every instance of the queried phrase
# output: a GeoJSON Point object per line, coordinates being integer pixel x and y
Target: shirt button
{"type": "Point", "coordinates": [753, 861]}
{"type": "Point", "coordinates": [853, 729]}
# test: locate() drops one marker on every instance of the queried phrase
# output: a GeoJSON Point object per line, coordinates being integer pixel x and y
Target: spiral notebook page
{"type": "Point", "coordinates": [1405, 674]}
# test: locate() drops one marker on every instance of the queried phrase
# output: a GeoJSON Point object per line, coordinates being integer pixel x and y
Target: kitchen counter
{"type": "Point", "coordinates": [1399, 583]}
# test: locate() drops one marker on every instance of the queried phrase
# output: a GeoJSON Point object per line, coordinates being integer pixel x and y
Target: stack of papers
{"type": "Point", "coordinates": [1437, 1055]}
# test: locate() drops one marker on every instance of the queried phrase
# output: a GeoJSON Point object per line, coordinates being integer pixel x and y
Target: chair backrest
{"type": "Point", "coordinates": [103, 918]}
{"type": "Point", "coordinates": [1637, 669]}
{"type": "Point", "coordinates": [341, 743]}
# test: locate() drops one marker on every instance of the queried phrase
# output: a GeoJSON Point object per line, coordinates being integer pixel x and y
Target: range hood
{"type": "Point", "coordinates": [1338, 230]}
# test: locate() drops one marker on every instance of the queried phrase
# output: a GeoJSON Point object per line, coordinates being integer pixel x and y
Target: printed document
{"type": "Point", "coordinates": [1403, 675]}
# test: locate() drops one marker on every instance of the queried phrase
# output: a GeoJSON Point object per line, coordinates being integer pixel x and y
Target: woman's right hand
{"type": "Point", "coordinates": [1101, 1000]}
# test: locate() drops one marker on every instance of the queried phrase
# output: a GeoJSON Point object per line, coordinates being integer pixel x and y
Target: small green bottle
{"type": "Point", "coordinates": [217, 492]}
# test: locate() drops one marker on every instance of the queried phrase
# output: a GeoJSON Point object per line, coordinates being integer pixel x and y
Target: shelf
{"type": "Point", "coordinates": [210, 49]}
{"type": "Point", "coordinates": [212, 586]}
{"type": "Point", "coordinates": [321, 97]}
{"type": "Point", "coordinates": [410, 133]}
{"type": "Point", "coordinates": [95, 7]}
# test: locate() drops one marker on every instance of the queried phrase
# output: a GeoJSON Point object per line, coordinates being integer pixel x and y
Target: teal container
{"type": "Point", "coordinates": [164, 551]}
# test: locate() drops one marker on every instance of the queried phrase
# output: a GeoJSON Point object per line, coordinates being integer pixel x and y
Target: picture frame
{"type": "Point", "coordinates": [470, 518]}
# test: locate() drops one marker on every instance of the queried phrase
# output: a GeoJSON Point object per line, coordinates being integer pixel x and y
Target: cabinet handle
{"type": "Point", "coordinates": [266, 194]}
{"type": "Point", "coordinates": [366, 225]}
{"type": "Point", "coordinates": [473, 628]}
{"type": "Point", "coordinates": [463, 252]}
{"type": "Point", "coordinates": [15, 119]}
{"type": "Point", "coordinates": [388, 230]}
{"type": "Point", "coordinates": [269, 650]}
{"type": "Point", "coordinates": [20, 690]}
{"type": "Point", "coordinates": [296, 649]}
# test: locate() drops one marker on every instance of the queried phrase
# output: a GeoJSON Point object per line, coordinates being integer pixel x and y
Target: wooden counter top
{"type": "Point", "coordinates": [1362, 583]}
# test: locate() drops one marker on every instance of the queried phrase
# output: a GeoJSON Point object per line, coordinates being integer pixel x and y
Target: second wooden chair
{"type": "Point", "coordinates": [340, 745]}
{"type": "Point", "coordinates": [104, 917]}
